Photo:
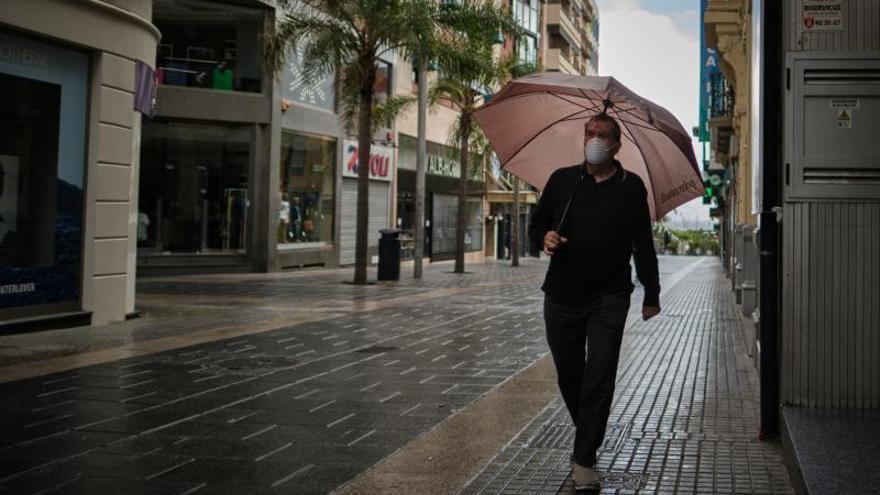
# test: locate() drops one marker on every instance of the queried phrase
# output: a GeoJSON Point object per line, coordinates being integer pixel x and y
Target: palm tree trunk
{"type": "Point", "coordinates": [462, 193]}
{"type": "Point", "coordinates": [422, 148]}
{"type": "Point", "coordinates": [515, 243]}
{"type": "Point", "coordinates": [365, 135]}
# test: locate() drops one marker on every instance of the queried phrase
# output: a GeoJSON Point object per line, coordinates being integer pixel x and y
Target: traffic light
{"type": "Point", "coordinates": [712, 185]}
{"type": "Point", "coordinates": [709, 194]}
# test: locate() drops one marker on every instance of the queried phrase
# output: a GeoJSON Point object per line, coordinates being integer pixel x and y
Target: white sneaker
{"type": "Point", "coordinates": [585, 478]}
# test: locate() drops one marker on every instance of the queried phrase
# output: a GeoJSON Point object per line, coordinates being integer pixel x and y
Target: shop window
{"type": "Point", "coordinates": [305, 203]}
{"type": "Point", "coordinates": [42, 158]}
{"type": "Point", "coordinates": [209, 44]}
{"type": "Point", "coordinates": [193, 188]}
{"type": "Point", "coordinates": [28, 170]}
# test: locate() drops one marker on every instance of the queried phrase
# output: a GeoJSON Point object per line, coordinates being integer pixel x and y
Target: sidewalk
{"type": "Point", "coordinates": [299, 383]}
{"type": "Point", "coordinates": [684, 418]}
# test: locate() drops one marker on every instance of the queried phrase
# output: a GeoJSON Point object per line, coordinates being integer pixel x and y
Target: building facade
{"type": "Point", "coordinates": [570, 36]}
{"type": "Point", "coordinates": [205, 152]}
{"type": "Point", "coordinates": [800, 211]}
{"type": "Point", "coordinates": [69, 157]}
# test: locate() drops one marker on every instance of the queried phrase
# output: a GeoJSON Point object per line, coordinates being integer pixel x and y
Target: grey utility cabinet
{"type": "Point", "coordinates": [834, 136]}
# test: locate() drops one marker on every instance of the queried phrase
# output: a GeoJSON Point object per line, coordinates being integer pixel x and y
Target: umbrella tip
{"type": "Point", "coordinates": [608, 104]}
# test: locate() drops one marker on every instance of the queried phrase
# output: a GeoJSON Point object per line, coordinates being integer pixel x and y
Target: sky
{"type": "Point", "coordinates": [661, 62]}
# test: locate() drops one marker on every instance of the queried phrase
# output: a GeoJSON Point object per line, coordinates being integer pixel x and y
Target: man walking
{"type": "Point", "coordinates": [592, 218]}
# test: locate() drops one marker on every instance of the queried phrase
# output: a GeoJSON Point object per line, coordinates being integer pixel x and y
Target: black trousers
{"type": "Point", "coordinates": [585, 339]}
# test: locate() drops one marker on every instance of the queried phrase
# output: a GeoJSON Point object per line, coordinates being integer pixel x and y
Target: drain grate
{"type": "Point", "coordinates": [555, 436]}
{"type": "Point", "coordinates": [622, 480]}
{"type": "Point", "coordinates": [247, 366]}
{"type": "Point", "coordinates": [615, 435]}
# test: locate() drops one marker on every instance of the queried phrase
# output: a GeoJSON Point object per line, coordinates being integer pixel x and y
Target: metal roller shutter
{"type": "Point", "coordinates": [379, 214]}
{"type": "Point", "coordinates": [443, 220]}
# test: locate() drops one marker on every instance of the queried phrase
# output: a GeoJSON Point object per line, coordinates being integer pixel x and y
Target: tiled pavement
{"type": "Point", "coordinates": [304, 408]}
{"type": "Point", "coordinates": [684, 417]}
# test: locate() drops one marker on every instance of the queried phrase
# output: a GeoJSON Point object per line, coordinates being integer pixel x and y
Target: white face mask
{"type": "Point", "coordinates": [597, 151]}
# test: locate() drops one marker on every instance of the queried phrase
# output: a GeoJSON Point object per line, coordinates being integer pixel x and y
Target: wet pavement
{"type": "Point", "coordinates": [300, 383]}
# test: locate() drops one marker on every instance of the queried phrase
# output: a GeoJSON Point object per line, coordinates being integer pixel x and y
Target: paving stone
{"type": "Point", "coordinates": [685, 412]}
{"type": "Point", "coordinates": [306, 407]}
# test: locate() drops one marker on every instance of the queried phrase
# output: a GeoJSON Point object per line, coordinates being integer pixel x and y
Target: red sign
{"type": "Point", "coordinates": [381, 167]}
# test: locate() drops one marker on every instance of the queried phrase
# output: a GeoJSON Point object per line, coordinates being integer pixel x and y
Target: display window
{"type": "Point", "coordinates": [306, 195]}
{"type": "Point", "coordinates": [42, 158]}
{"type": "Point", "coordinates": [208, 44]}
{"type": "Point", "coordinates": [194, 188]}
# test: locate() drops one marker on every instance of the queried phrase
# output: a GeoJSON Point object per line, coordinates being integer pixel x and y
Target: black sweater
{"type": "Point", "coordinates": [605, 222]}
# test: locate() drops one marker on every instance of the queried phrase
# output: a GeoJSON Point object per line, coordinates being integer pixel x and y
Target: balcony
{"type": "Point", "coordinates": [557, 16]}
{"type": "Point", "coordinates": [556, 59]}
{"type": "Point", "coordinates": [721, 104]}
{"type": "Point", "coordinates": [721, 97]}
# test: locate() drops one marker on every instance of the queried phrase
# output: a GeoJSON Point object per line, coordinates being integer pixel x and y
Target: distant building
{"type": "Point", "coordinates": [570, 36]}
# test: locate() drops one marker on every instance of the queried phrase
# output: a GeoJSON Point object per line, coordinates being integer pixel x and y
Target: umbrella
{"type": "Point", "coordinates": [536, 125]}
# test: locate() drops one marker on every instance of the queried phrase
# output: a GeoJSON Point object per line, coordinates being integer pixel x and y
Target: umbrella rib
{"type": "Point", "coordinates": [532, 93]}
{"type": "Point", "coordinates": [643, 126]}
{"type": "Point", "coordinates": [631, 112]}
{"type": "Point", "coordinates": [542, 131]}
{"type": "Point", "coordinates": [622, 120]}
{"type": "Point", "coordinates": [591, 100]}
{"type": "Point", "coordinates": [647, 168]}
{"type": "Point", "coordinates": [595, 106]}
{"type": "Point", "coordinates": [569, 101]}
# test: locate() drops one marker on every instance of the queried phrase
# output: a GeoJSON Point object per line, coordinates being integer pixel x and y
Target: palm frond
{"type": "Point", "coordinates": [324, 40]}
{"type": "Point", "coordinates": [451, 89]}
{"type": "Point", "coordinates": [385, 113]}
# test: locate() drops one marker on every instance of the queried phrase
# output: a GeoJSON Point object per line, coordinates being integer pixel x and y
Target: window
{"type": "Point", "coordinates": [305, 205]}
{"type": "Point", "coordinates": [42, 160]}
{"type": "Point", "coordinates": [193, 187]}
{"type": "Point", "coordinates": [382, 86]}
{"type": "Point", "coordinates": [526, 14]}
{"type": "Point", "coordinates": [209, 45]}
{"type": "Point", "coordinates": [527, 50]}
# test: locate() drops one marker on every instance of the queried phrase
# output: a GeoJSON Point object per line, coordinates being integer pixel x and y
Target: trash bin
{"type": "Point", "coordinates": [389, 254]}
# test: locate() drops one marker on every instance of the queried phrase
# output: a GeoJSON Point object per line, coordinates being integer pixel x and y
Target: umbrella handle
{"type": "Point", "coordinates": [562, 220]}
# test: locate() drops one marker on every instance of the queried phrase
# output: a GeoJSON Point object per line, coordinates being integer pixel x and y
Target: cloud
{"type": "Point", "coordinates": [650, 54]}
{"type": "Point", "coordinates": [617, 5]}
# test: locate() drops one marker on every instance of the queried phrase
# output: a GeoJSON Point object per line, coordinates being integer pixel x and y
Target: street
{"type": "Point", "coordinates": [301, 383]}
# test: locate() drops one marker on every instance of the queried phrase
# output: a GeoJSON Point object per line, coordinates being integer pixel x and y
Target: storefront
{"type": "Point", "coordinates": [305, 211]}
{"type": "Point", "coordinates": [305, 227]}
{"type": "Point", "coordinates": [381, 176]}
{"type": "Point", "coordinates": [69, 113]}
{"type": "Point", "coordinates": [204, 204]}
{"type": "Point", "coordinates": [42, 173]}
{"type": "Point", "coordinates": [194, 188]}
{"type": "Point", "coordinates": [441, 202]}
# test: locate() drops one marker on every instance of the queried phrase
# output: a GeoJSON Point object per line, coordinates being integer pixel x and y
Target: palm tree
{"type": "Point", "coordinates": [469, 20]}
{"type": "Point", "coordinates": [513, 68]}
{"type": "Point", "coordinates": [348, 38]}
{"type": "Point", "coordinates": [466, 89]}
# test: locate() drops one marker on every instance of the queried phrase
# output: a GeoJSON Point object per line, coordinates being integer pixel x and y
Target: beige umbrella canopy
{"type": "Point", "coordinates": [536, 125]}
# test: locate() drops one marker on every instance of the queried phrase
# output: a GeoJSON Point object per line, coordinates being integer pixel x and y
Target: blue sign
{"type": "Point", "coordinates": [708, 67]}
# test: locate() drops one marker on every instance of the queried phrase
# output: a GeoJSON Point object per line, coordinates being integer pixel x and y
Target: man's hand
{"type": "Point", "coordinates": [649, 312]}
{"type": "Point", "coordinates": [552, 242]}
